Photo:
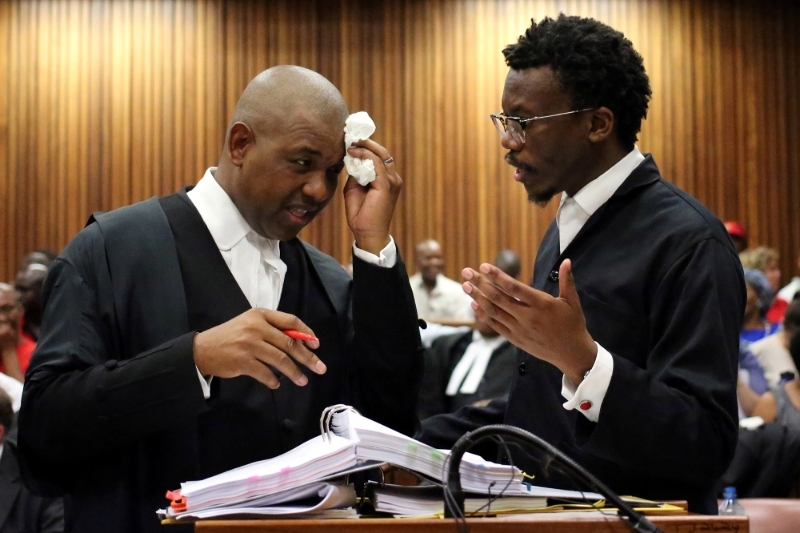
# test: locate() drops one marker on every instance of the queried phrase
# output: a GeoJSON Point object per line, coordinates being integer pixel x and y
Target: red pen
{"type": "Point", "coordinates": [299, 335]}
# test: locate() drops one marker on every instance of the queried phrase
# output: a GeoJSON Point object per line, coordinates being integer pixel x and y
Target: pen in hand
{"type": "Point", "coordinates": [299, 335]}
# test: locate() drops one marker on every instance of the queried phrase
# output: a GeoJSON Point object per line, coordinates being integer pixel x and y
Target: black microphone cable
{"type": "Point", "coordinates": [454, 495]}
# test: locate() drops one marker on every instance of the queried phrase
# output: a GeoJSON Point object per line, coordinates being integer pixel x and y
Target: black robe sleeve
{"type": "Point", "coordinates": [82, 398]}
{"type": "Point", "coordinates": [386, 345]}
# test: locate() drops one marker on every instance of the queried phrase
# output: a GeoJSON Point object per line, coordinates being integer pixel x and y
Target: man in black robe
{"type": "Point", "coordinates": [162, 356]}
{"type": "Point", "coordinates": [629, 336]}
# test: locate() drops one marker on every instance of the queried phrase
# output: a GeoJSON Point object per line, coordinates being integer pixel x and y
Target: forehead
{"type": "Point", "coordinates": [311, 132]}
{"type": "Point", "coordinates": [533, 92]}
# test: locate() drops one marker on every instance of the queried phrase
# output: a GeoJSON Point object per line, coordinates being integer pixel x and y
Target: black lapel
{"type": "Point", "coordinates": [646, 173]}
{"type": "Point", "coordinates": [10, 484]}
{"type": "Point", "coordinates": [212, 294]}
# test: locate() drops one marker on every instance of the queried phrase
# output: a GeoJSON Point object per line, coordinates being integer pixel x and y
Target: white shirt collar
{"type": "Point", "coordinates": [598, 191]}
{"type": "Point", "coordinates": [225, 223]}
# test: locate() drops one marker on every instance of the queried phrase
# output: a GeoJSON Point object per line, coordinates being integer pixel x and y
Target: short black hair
{"type": "Point", "coordinates": [6, 411]}
{"type": "Point", "coordinates": [594, 63]}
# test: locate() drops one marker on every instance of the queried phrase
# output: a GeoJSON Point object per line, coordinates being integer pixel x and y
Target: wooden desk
{"type": "Point", "coordinates": [533, 523]}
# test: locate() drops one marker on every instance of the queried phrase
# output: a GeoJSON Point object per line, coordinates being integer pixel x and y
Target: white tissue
{"type": "Point", "coordinates": [357, 127]}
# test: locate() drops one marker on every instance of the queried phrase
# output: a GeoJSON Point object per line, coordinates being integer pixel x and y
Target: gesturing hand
{"type": "Point", "coordinates": [248, 343]}
{"type": "Point", "coordinates": [552, 329]}
{"type": "Point", "coordinates": [370, 208]}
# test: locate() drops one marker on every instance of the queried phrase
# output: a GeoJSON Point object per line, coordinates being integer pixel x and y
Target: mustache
{"type": "Point", "coordinates": [512, 160]}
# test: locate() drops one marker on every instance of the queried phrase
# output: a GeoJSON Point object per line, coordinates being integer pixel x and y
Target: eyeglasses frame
{"type": "Point", "coordinates": [502, 118]}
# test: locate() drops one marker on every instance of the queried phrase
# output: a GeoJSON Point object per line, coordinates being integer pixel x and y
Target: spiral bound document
{"type": "Point", "coordinates": [289, 484]}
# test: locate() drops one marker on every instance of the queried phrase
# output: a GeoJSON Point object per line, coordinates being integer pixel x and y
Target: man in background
{"type": "Point", "coordinates": [438, 298]}
{"type": "Point", "coordinates": [28, 284]}
{"type": "Point", "coordinates": [509, 262]}
{"type": "Point", "coordinates": [468, 367]}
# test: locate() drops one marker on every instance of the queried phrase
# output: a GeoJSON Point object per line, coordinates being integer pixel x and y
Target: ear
{"type": "Point", "coordinates": [602, 124]}
{"type": "Point", "coordinates": [240, 138]}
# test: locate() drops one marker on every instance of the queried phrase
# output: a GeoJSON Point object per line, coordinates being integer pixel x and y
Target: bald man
{"type": "Point", "coordinates": [162, 356]}
{"type": "Point", "coordinates": [438, 298]}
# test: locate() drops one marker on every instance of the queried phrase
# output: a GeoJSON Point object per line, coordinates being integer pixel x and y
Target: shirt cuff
{"type": "Point", "coordinates": [205, 384]}
{"type": "Point", "coordinates": [387, 259]}
{"type": "Point", "coordinates": [588, 396]}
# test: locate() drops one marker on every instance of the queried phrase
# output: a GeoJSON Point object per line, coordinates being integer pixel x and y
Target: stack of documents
{"type": "Point", "coordinates": [308, 479]}
{"type": "Point", "coordinates": [417, 502]}
{"type": "Point", "coordinates": [379, 443]}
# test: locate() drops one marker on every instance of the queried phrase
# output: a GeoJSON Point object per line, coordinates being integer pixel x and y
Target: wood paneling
{"type": "Point", "coordinates": [103, 103]}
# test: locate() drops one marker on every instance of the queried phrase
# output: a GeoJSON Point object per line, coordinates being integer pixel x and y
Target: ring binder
{"type": "Point", "coordinates": [326, 418]}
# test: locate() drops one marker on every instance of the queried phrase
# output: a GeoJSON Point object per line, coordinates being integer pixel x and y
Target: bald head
{"type": "Point", "coordinates": [508, 261]}
{"type": "Point", "coordinates": [284, 150]}
{"type": "Point", "coordinates": [430, 261]}
{"type": "Point", "coordinates": [278, 96]}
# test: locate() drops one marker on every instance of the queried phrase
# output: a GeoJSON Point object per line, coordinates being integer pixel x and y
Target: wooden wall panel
{"type": "Point", "coordinates": [104, 103]}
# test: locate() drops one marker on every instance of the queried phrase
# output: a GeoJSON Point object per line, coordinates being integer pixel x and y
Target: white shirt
{"type": "Point", "coordinates": [469, 371]}
{"type": "Point", "coordinates": [13, 388]}
{"type": "Point", "coordinates": [447, 300]}
{"type": "Point", "coordinates": [573, 212]}
{"type": "Point", "coordinates": [254, 261]}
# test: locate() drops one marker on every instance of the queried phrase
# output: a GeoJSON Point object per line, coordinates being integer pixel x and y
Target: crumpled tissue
{"type": "Point", "coordinates": [359, 126]}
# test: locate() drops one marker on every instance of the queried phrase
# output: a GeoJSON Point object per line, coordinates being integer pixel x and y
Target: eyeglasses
{"type": "Point", "coordinates": [515, 126]}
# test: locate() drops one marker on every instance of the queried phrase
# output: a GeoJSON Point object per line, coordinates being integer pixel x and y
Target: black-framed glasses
{"type": "Point", "coordinates": [515, 126]}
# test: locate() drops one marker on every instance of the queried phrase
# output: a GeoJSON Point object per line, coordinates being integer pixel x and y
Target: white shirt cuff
{"type": "Point", "coordinates": [387, 259]}
{"type": "Point", "coordinates": [588, 397]}
{"type": "Point", "coordinates": [205, 384]}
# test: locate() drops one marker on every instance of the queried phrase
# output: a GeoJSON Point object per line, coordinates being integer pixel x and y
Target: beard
{"type": "Point", "coordinates": [541, 199]}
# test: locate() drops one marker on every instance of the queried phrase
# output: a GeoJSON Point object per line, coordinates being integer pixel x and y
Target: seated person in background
{"type": "Point", "coordinates": [759, 297]}
{"type": "Point", "coordinates": [13, 388]}
{"type": "Point", "coordinates": [466, 368]}
{"type": "Point", "coordinates": [782, 403]}
{"type": "Point", "coordinates": [42, 256]}
{"type": "Point", "coordinates": [751, 382]}
{"type": "Point", "coordinates": [508, 261]}
{"type": "Point", "coordinates": [20, 510]}
{"type": "Point", "coordinates": [766, 260]}
{"type": "Point", "coordinates": [16, 346]}
{"type": "Point", "coordinates": [738, 235]}
{"type": "Point", "coordinates": [29, 287]}
{"type": "Point", "coordinates": [788, 293]}
{"type": "Point", "coordinates": [438, 298]}
{"type": "Point", "coordinates": [772, 352]}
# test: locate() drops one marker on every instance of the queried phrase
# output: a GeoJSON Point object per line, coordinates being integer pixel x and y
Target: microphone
{"type": "Point", "coordinates": [453, 494]}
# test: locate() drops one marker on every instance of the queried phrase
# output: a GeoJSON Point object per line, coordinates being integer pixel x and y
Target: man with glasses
{"type": "Point", "coordinates": [628, 339]}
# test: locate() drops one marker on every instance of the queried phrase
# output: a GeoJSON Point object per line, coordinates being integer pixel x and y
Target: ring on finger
{"type": "Point", "coordinates": [388, 160]}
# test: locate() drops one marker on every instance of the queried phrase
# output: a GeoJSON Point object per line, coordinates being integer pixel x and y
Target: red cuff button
{"type": "Point", "coordinates": [585, 405]}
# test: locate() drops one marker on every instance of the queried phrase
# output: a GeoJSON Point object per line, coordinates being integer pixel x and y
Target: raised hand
{"type": "Point", "coordinates": [369, 209]}
{"type": "Point", "coordinates": [552, 329]}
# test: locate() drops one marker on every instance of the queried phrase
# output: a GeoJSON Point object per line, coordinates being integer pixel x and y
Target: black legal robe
{"type": "Point", "coordinates": [662, 290]}
{"type": "Point", "coordinates": [113, 414]}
